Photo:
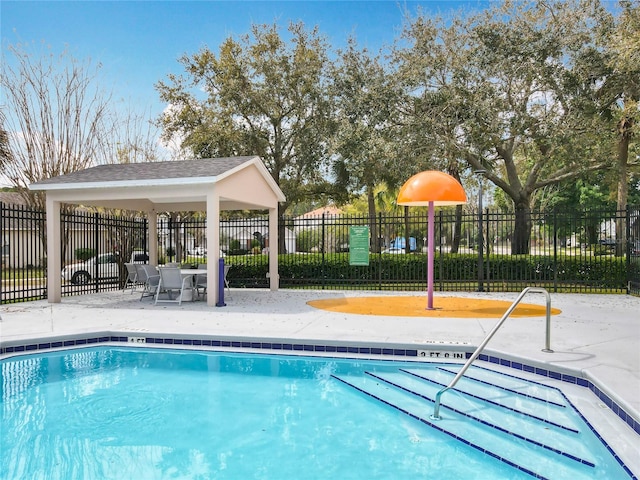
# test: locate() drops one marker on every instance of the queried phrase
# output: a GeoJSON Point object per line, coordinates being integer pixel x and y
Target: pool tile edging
{"type": "Point", "coordinates": [34, 346]}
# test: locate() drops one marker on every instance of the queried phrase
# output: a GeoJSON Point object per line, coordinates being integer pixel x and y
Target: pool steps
{"type": "Point", "coordinates": [536, 433]}
{"type": "Point", "coordinates": [546, 444]}
{"type": "Point", "coordinates": [524, 406]}
{"type": "Point", "coordinates": [512, 384]}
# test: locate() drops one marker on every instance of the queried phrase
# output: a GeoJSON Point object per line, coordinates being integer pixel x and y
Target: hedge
{"type": "Point", "coordinates": [314, 270]}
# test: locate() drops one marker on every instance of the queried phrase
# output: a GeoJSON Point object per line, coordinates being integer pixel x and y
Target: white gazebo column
{"type": "Point", "coordinates": [213, 246]}
{"type": "Point", "coordinates": [54, 262]}
{"type": "Point", "coordinates": [152, 218]}
{"type": "Point", "coordinates": [274, 277]}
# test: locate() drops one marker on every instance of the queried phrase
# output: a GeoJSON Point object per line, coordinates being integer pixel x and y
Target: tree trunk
{"type": "Point", "coordinates": [457, 227]}
{"type": "Point", "coordinates": [625, 128]}
{"type": "Point", "coordinates": [282, 245]}
{"type": "Point", "coordinates": [457, 230]}
{"type": "Point", "coordinates": [407, 243]}
{"type": "Point", "coordinates": [520, 241]}
{"type": "Point", "coordinates": [373, 226]}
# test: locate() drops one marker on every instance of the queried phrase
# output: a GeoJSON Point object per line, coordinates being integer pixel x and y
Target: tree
{"type": "Point", "coordinates": [431, 112]}
{"type": "Point", "coordinates": [499, 91]}
{"type": "Point", "coordinates": [262, 96]}
{"type": "Point", "coordinates": [615, 67]}
{"type": "Point", "coordinates": [58, 120]}
{"type": "Point", "coordinates": [55, 117]}
{"type": "Point", "coordinates": [364, 155]}
{"type": "Point", "coordinates": [5, 149]}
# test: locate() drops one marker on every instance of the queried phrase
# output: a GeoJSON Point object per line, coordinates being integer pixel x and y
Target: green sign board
{"type": "Point", "coordinates": [358, 245]}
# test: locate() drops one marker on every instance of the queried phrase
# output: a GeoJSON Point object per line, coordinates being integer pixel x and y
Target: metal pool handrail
{"type": "Point", "coordinates": [547, 348]}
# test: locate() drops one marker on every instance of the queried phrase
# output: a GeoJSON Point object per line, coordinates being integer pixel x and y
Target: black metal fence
{"type": "Point", "coordinates": [23, 249]}
{"type": "Point", "coordinates": [591, 251]}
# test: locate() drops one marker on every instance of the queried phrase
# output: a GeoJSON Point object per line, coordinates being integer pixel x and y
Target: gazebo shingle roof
{"type": "Point", "coordinates": [207, 167]}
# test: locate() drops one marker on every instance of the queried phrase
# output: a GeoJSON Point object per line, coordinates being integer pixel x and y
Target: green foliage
{"type": "Point", "coordinates": [84, 254]}
{"type": "Point", "coordinates": [602, 250]}
{"type": "Point", "coordinates": [235, 248]}
{"type": "Point", "coordinates": [365, 149]}
{"type": "Point", "coordinates": [510, 90]}
{"type": "Point", "coordinates": [276, 85]}
{"type": "Point", "coordinates": [313, 269]}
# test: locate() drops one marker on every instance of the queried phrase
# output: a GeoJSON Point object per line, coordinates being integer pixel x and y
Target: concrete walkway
{"type": "Point", "coordinates": [595, 336]}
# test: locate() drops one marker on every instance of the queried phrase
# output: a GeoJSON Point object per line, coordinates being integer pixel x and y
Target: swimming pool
{"type": "Point", "coordinates": [145, 413]}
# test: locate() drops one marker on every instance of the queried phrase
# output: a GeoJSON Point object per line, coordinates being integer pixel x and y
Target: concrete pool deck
{"type": "Point", "coordinates": [595, 335]}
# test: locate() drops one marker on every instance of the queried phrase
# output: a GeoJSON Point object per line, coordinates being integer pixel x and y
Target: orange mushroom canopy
{"type": "Point", "coordinates": [431, 186]}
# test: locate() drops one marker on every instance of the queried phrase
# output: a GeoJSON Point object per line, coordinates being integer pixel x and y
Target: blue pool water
{"type": "Point", "coordinates": [138, 413]}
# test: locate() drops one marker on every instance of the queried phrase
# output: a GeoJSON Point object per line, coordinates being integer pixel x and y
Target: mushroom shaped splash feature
{"type": "Point", "coordinates": [431, 188]}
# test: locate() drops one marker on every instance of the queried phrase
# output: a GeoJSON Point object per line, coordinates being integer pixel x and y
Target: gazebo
{"type": "Point", "coordinates": [209, 185]}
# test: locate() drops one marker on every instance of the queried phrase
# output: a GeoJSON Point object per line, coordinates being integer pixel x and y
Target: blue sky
{"type": "Point", "coordinates": [138, 42]}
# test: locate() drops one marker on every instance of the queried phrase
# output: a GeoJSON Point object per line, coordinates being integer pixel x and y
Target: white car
{"type": "Point", "coordinates": [393, 250]}
{"type": "Point", "coordinates": [104, 266]}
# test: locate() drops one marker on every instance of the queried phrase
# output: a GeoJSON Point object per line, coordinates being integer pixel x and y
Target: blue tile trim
{"type": "Point", "coordinates": [518, 365]}
{"type": "Point", "coordinates": [619, 411]}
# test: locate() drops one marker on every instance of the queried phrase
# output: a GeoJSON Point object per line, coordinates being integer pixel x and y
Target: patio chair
{"type": "Point", "coordinates": [201, 280]}
{"type": "Point", "coordinates": [149, 278]}
{"type": "Point", "coordinates": [132, 277]}
{"type": "Point", "coordinates": [226, 280]}
{"type": "Point", "coordinates": [172, 281]}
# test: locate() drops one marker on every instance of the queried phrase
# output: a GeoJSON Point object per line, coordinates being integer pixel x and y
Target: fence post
{"type": "Point", "coordinates": [171, 251]}
{"type": "Point", "coordinates": [480, 244]}
{"type": "Point", "coordinates": [377, 249]}
{"type": "Point", "coordinates": [440, 260]}
{"type": "Point", "coordinates": [487, 277]}
{"type": "Point", "coordinates": [480, 174]}
{"type": "Point", "coordinates": [145, 236]}
{"type": "Point", "coordinates": [324, 266]}
{"type": "Point", "coordinates": [96, 234]}
{"type": "Point", "coordinates": [555, 251]}
{"type": "Point", "coordinates": [629, 246]}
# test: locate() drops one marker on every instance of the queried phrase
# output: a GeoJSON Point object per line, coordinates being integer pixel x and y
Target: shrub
{"type": "Point", "coordinates": [518, 270]}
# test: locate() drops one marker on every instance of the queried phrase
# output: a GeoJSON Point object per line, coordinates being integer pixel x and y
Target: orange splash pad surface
{"type": "Point", "coordinates": [414, 306]}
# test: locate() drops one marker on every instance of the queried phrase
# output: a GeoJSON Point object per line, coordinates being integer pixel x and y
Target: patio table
{"type": "Point", "coordinates": [185, 272]}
